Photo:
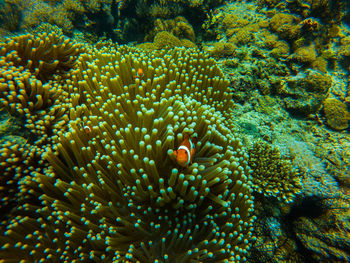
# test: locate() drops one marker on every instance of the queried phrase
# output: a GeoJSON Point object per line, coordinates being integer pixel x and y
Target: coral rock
{"type": "Point", "coordinates": [285, 25]}
{"type": "Point", "coordinates": [305, 54]}
{"type": "Point", "coordinates": [336, 113]}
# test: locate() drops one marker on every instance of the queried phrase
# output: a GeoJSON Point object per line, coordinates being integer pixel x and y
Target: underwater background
{"type": "Point", "coordinates": [95, 96]}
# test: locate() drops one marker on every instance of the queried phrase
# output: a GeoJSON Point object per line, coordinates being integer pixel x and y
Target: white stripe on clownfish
{"type": "Point", "coordinates": [187, 150]}
{"type": "Point", "coordinates": [184, 154]}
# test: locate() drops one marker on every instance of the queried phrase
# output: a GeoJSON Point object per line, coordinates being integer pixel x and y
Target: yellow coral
{"type": "Point", "coordinates": [321, 64]}
{"type": "Point", "coordinates": [285, 25]}
{"type": "Point", "coordinates": [75, 5]}
{"type": "Point", "coordinates": [40, 12]}
{"type": "Point", "coordinates": [183, 29]}
{"type": "Point", "coordinates": [165, 39]}
{"type": "Point", "coordinates": [281, 49]}
{"type": "Point", "coordinates": [232, 21]}
{"type": "Point", "coordinates": [61, 18]}
{"type": "Point", "coordinates": [273, 175]}
{"type": "Point", "coordinates": [305, 54]}
{"type": "Point", "coordinates": [178, 26]}
{"type": "Point", "coordinates": [244, 35]}
{"type": "Point", "coordinates": [221, 49]}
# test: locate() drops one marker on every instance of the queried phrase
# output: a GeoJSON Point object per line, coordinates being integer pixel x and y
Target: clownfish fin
{"type": "Point", "coordinates": [175, 152]}
{"type": "Point", "coordinates": [186, 136]}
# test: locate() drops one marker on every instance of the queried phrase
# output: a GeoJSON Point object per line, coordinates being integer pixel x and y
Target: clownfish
{"type": "Point", "coordinates": [139, 74]}
{"type": "Point", "coordinates": [87, 129]}
{"type": "Point", "coordinates": [185, 152]}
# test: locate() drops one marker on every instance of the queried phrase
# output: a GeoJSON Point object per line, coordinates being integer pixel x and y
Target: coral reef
{"type": "Point", "coordinates": [273, 175]}
{"type": "Point", "coordinates": [324, 233]}
{"type": "Point", "coordinates": [305, 94]}
{"type": "Point", "coordinates": [86, 149]}
{"type": "Point", "coordinates": [122, 21]}
{"type": "Point", "coordinates": [287, 26]}
{"type": "Point", "coordinates": [221, 50]}
{"type": "Point", "coordinates": [165, 39]}
{"type": "Point", "coordinates": [114, 190]}
{"type": "Point", "coordinates": [66, 14]}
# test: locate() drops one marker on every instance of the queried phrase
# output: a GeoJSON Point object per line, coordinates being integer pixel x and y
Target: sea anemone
{"type": "Point", "coordinates": [114, 191]}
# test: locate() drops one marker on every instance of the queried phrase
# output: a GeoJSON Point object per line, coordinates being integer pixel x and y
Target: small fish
{"type": "Point", "coordinates": [185, 152]}
{"type": "Point", "coordinates": [87, 129]}
{"type": "Point", "coordinates": [139, 74]}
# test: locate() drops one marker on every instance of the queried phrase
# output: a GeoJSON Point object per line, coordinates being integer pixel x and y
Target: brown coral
{"type": "Point", "coordinates": [221, 49]}
{"type": "Point", "coordinates": [305, 95]}
{"type": "Point", "coordinates": [336, 113]}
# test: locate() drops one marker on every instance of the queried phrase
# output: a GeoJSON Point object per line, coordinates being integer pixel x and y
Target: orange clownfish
{"type": "Point", "coordinates": [185, 152]}
{"type": "Point", "coordinates": [139, 74]}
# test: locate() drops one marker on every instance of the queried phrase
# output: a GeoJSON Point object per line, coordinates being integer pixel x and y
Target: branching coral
{"type": "Point", "coordinates": [272, 174]}
{"type": "Point", "coordinates": [115, 191]}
